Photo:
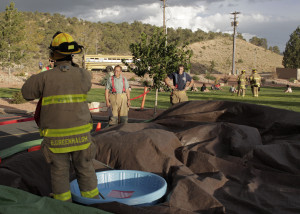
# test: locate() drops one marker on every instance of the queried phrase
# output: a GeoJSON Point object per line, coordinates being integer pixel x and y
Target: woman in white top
{"type": "Point", "coordinates": [288, 89]}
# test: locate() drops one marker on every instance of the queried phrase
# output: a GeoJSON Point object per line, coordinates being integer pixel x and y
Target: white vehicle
{"type": "Point", "coordinates": [101, 62]}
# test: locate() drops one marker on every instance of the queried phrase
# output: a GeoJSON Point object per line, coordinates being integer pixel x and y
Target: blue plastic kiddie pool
{"type": "Point", "coordinates": [129, 187]}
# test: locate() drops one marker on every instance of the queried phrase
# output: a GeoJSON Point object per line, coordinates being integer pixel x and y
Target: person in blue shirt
{"type": "Point", "coordinates": [179, 82]}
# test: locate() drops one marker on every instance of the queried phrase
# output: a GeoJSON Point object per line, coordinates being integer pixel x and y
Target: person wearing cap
{"type": "Point", "coordinates": [117, 96]}
{"type": "Point", "coordinates": [242, 79]}
{"type": "Point", "coordinates": [181, 82]}
{"type": "Point", "coordinates": [255, 81]}
{"type": "Point", "coordinates": [65, 121]}
{"type": "Point", "coordinates": [50, 66]}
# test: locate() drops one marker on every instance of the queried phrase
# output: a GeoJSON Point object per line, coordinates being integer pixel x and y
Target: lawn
{"type": "Point", "coordinates": [270, 96]}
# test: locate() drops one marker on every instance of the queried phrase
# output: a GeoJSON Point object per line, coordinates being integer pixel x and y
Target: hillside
{"type": "Point", "coordinates": [113, 38]}
{"type": "Point", "coordinates": [219, 50]}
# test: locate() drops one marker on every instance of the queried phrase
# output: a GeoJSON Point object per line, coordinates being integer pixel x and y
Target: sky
{"type": "Point", "coordinates": [274, 20]}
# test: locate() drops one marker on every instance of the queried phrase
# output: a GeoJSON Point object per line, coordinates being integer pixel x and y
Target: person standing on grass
{"type": "Point", "coordinates": [242, 79]}
{"type": "Point", "coordinates": [181, 82]}
{"type": "Point", "coordinates": [255, 81]}
{"type": "Point", "coordinates": [117, 96]}
{"type": "Point", "coordinates": [65, 120]}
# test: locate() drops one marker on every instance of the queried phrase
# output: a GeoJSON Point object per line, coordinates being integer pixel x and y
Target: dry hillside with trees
{"type": "Point", "coordinates": [216, 55]}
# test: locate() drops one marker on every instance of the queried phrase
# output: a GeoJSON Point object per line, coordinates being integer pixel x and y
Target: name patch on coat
{"type": "Point", "coordinates": [69, 141]}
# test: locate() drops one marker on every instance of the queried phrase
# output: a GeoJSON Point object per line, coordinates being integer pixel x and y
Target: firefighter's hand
{"type": "Point", "coordinates": [107, 104]}
{"type": "Point", "coordinates": [173, 87]}
{"type": "Point", "coordinates": [128, 103]}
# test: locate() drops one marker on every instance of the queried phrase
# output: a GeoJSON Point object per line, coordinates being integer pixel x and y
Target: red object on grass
{"type": "Point", "coordinates": [98, 128]}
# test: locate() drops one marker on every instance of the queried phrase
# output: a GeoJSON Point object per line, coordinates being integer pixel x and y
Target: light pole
{"type": "Point", "coordinates": [164, 16]}
{"type": "Point", "coordinates": [234, 24]}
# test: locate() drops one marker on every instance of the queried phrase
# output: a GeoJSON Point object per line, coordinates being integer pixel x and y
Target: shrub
{"type": "Point", "coordinates": [263, 80]}
{"type": "Point", "coordinates": [104, 80]}
{"type": "Point", "coordinates": [196, 78]}
{"type": "Point", "coordinates": [240, 61]}
{"type": "Point", "coordinates": [209, 77]}
{"type": "Point", "coordinates": [196, 72]}
{"type": "Point", "coordinates": [225, 79]}
{"type": "Point", "coordinates": [292, 80]}
{"type": "Point", "coordinates": [132, 79]}
{"type": "Point", "coordinates": [146, 83]}
{"type": "Point", "coordinates": [21, 74]}
{"type": "Point", "coordinates": [17, 98]}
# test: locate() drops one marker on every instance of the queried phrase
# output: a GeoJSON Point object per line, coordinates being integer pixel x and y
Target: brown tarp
{"type": "Point", "coordinates": [216, 156]}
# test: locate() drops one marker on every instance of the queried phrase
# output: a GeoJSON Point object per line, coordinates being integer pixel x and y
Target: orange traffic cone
{"type": "Point", "coordinates": [98, 128]}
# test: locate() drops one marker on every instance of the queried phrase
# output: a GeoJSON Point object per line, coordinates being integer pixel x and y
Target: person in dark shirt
{"type": "Point", "coordinates": [204, 88]}
{"type": "Point", "coordinates": [181, 82]}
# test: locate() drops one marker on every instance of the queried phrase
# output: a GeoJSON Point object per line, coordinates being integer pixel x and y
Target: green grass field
{"type": "Point", "coordinates": [269, 96]}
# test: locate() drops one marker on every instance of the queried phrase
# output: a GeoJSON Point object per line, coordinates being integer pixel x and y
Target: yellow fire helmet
{"type": "Point", "coordinates": [254, 70]}
{"type": "Point", "coordinates": [64, 44]}
{"type": "Point", "coordinates": [243, 71]}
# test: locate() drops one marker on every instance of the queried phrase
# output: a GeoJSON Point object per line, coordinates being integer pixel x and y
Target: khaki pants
{"type": "Point", "coordinates": [241, 90]}
{"type": "Point", "coordinates": [178, 97]}
{"type": "Point", "coordinates": [255, 91]}
{"type": "Point", "coordinates": [60, 168]}
{"type": "Point", "coordinates": [119, 108]}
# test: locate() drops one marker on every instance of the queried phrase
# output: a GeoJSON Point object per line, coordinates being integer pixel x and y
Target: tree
{"type": "Point", "coordinates": [11, 35]}
{"type": "Point", "coordinates": [261, 42]}
{"type": "Point", "coordinates": [291, 55]}
{"type": "Point", "coordinates": [274, 49]}
{"type": "Point", "coordinates": [157, 58]}
{"type": "Point", "coordinates": [240, 36]}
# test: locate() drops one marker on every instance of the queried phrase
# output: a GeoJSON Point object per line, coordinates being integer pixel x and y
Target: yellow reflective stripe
{"type": "Point", "coordinates": [63, 197]}
{"type": "Point", "coordinates": [66, 132]}
{"type": "Point", "coordinates": [69, 98]}
{"type": "Point", "coordinates": [70, 149]}
{"type": "Point", "coordinates": [90, 194]}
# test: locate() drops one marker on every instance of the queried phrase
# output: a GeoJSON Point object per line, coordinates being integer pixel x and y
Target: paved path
{"type": "Point", "coordinates": [16, 133]}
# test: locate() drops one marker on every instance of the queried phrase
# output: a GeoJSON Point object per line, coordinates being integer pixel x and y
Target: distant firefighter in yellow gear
{"type": "Point", "coordinates": [255, 81]}
{"type": "Point", "coordinates": [242, 79]}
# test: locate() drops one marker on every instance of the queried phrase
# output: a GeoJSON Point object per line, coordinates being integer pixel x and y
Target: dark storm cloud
{"type": "Point", "coordinates": [76, 6]}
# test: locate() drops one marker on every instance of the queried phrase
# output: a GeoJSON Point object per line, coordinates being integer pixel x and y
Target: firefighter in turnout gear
{"type": "Point", "coordinates": [65, 121]}
{"type": "Point", "coordinates": [181, 82]}
{"type": "Point", "coordinates": [255, 81]}
{"type": "Point", "coordinates": [117, 96]}
{"type": "Point", "coordinates": [242, 79]}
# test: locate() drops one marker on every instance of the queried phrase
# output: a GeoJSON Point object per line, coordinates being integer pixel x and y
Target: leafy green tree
{"type": "Point", "coordinates": [11, 35]}
{"type": "Point", "coordinates": [240, 36]}
{"type": "Point", "coordinates": [157, 58]}
{"type": "Point", "coordinates": [291, 55]}
{"type": "Point", "coordinates": [274, 49]}
{"type": "Point", "coordinates": [212, 66]}
{"type": "Point", "coordinates": [261, 42]}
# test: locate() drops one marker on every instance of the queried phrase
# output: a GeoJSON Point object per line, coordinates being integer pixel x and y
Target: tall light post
{"type": "Point", "coordinates": [164, 16]}
{"type": "Point", "coordinates": [234, 24]}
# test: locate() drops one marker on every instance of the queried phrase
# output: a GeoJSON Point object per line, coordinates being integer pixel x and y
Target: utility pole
{"type": "Point", "coordinates": [164, 17]}
{"type": "Point", "coordinates": [234, 24]}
